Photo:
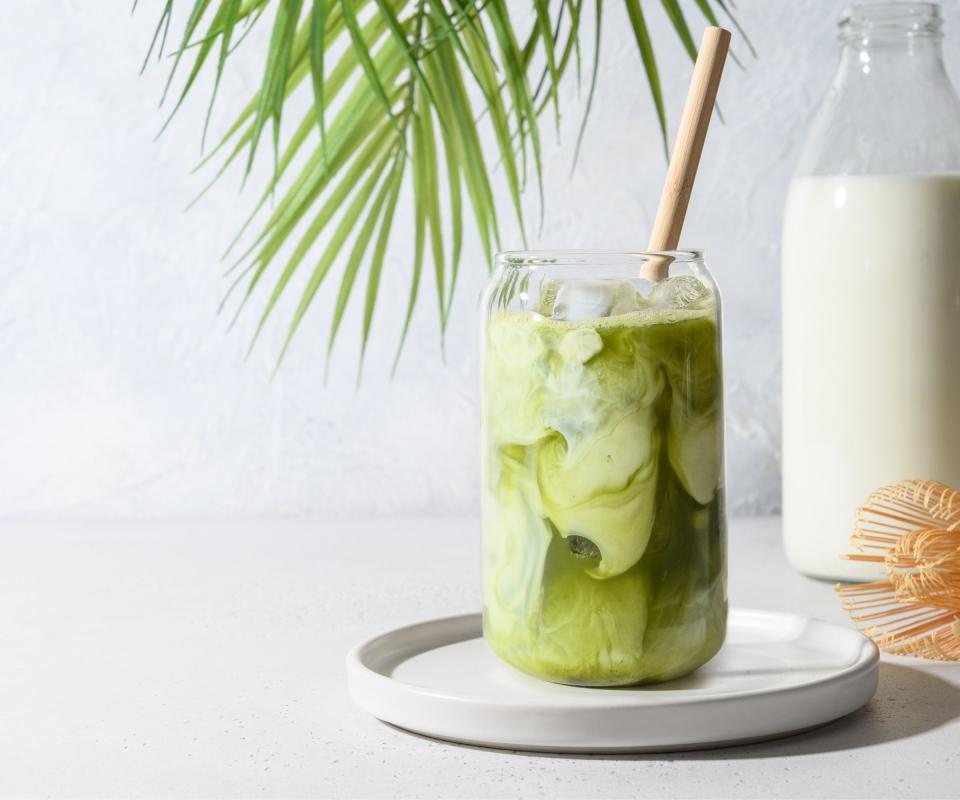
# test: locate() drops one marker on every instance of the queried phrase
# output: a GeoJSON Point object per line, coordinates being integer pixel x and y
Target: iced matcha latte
{"type": "Point", "coordinates": [603, 525]}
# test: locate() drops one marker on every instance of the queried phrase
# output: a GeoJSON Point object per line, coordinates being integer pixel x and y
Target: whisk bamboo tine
{"type": "Point", "coordinates": [913, 528]}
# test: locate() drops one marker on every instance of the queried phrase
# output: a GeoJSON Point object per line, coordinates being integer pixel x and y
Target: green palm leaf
{"type": "Point", "coordinates": [404, 78]}
{"type": "Point", "coordinates": [379, 253]}
{"type": "Point", "coordinates": [318, 26]}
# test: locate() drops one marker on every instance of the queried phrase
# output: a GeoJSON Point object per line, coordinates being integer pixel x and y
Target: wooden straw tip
{"type": "Point", "coordinates": [717, 36]}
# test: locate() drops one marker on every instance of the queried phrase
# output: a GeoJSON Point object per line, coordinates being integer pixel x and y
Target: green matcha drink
{"type": "Point", "coordinates": [603, 523]}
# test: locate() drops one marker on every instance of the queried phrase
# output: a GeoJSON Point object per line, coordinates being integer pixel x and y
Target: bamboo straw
{"type": "Point", "coordinates": [697, 110]}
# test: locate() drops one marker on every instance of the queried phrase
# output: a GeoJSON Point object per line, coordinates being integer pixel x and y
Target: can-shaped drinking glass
{"type": "Point", "coordinates": [604, 531]}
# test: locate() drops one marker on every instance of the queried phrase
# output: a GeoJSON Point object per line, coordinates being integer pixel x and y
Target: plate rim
{"type": "Point", "coordinates": [867, 660]}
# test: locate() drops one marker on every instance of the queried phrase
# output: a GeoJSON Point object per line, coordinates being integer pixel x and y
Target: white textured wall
{"type": "Point", "coordinates": [122, 393]}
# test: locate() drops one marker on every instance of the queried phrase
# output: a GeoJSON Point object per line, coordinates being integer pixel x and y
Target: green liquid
{"type": "Point", "coordinates": [603, 525]}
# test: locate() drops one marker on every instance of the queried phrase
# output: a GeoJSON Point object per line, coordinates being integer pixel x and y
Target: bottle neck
{"type": "Point", "coordinates": [873, 56]}
{"type": "Point", "coordinates": [892, 107]}
{"type": "Point", "coordinates": [891, 22]}
{"type": "Point", "coordinates": [892, 35]}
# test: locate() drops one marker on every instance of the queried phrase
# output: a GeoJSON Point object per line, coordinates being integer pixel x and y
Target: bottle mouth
{"type": "Point", "coordinates": [890, 21]}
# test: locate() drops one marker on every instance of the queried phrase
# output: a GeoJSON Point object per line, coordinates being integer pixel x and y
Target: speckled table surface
{"type": "Point", "coordinates": [201, 659]}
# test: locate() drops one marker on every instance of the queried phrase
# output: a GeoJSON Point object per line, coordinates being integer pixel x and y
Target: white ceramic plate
{"type": "Point", "coordinates": [776, 674]}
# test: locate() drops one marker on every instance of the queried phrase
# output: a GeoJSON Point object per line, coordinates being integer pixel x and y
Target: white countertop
{"type": "Point", "coordinates": [200, 659]}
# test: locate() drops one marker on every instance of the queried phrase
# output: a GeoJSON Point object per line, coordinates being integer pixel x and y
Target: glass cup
{"type": "Point", "coordinates": [604, 532]}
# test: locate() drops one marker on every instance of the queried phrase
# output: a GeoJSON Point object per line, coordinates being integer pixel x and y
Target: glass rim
{"type": "Point", "coordinates": [577, 257]}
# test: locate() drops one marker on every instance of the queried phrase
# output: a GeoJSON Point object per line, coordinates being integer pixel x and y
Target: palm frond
{"type": "Point", "coordinates": [598, 28]}
{"type": "Point", "coordinates": [159, 33]}
{"type": "Point", "coordinates": [404, 78]}
{"type": "Point", "coordinates": [379, 253]}
{"type": "Point", "coordinates": [642, 36]}
{"type": "Point", "coordinates": [679, 22]}
{"type": "Point", "coordinates": [318, 49]}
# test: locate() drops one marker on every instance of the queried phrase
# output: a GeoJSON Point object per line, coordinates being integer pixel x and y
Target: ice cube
{"type": "Point", "coordinates": [581, 299]}
{"type": "Point", "coordinates": [680, 292]}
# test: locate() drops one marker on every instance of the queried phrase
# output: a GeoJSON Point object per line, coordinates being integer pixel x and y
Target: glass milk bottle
{"type": "Point", "coordinates": [604, 549]}
{"type": "Point", "coordinates": [871, 285]}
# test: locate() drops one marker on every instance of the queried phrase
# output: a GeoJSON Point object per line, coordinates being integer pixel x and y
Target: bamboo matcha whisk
{"type": "Point", "coordinates": [913, 529]}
